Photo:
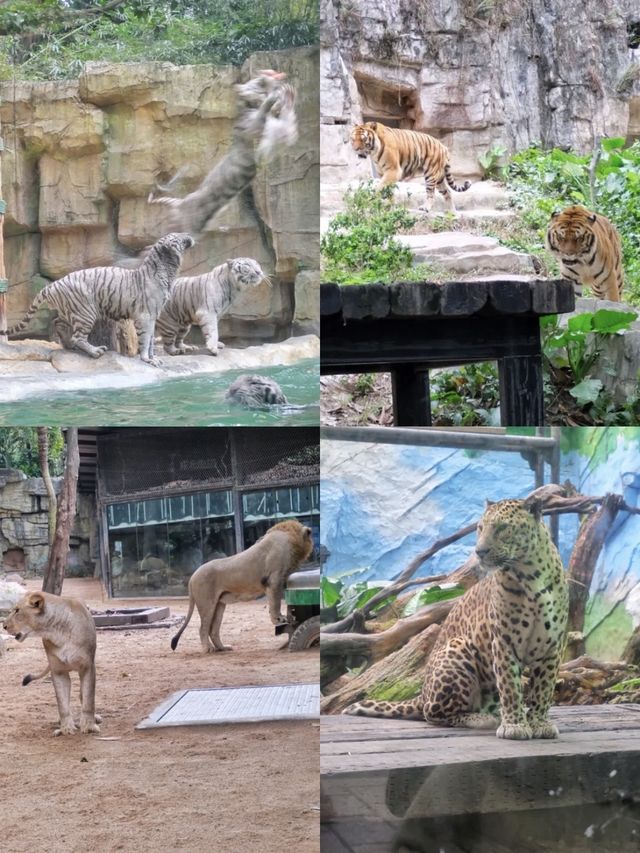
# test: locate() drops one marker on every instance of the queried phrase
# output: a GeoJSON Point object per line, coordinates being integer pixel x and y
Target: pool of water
{"type": "Point", "coordinates": [191, 401]}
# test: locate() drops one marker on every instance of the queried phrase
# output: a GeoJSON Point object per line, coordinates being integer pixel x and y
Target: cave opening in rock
{"type": "Point", "coordinates": [13, 560]}
{"type": "Point", "coordinates": [392, 104]}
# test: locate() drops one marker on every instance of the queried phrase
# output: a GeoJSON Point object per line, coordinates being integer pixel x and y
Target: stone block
{"type": "Point", "coordinates": [64, 251]}
{"type": "Point", "coordinates": [307, 297]}
{"type": "Point", "coordinates": [72, 194]}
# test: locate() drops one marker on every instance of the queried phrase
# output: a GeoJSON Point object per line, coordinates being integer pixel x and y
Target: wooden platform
{"type": "Point", "coordinates": [409, 328]}
{"type": "Point", "coordinates": [380, 775]}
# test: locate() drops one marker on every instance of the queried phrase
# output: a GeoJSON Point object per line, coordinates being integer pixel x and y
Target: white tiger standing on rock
{"type": "Point", "coordinates": [113, 293]}
{"type": "Point", "coordinates": [201, 300]}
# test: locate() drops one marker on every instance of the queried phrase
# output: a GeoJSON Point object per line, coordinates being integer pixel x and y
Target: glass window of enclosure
{"type": "Point", "coordinates": [263, 508]}
{"type": "Point", "coordinates": [155, 545]}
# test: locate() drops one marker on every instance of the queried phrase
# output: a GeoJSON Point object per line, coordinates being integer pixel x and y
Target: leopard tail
{"type": "Point", "coordinates": [409, 709]}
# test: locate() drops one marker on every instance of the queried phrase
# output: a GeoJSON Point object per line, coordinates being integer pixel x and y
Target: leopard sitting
{"type": "Point", "coordinates": [513, 619]}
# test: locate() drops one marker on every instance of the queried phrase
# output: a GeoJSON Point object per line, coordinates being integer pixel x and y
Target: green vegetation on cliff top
{"type": "Point", "coordinates": [51, 39]}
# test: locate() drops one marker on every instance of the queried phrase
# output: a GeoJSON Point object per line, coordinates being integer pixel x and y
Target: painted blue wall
{"type": "Point", "coordinates": [381, 505]}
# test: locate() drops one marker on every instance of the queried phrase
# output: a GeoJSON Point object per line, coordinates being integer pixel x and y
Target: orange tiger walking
{"type": "Point", "coordinates": [399, 155]}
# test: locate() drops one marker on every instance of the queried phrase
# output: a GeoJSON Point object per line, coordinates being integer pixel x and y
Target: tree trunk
{"type": "Point", "coordinates": [398, 676]}
{"type": "Point", "coordinates": [43, 455]}
{"type": "Point", "coordinates": [54, 575]}
{"type": "Point", "coordinates": [373, 647]}
{"type": "Point", "coordinates": [582, 564]}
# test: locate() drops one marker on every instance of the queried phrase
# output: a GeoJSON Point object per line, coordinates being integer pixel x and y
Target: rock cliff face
{"type": "Point", "coordinates": [24, 543]}
{"type": "Point", "coordinates": [81, 157]}
{"type": "Point", "coordinates": [477, 74]}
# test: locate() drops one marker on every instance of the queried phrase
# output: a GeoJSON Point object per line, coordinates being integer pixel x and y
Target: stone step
{"type": "Point", "coordinates": [463, 253]}
{"type": "Point", "coordinates": [481, 196]}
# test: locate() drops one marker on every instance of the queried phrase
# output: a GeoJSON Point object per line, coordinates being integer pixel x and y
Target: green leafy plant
{"type": "Point", "coordinates": [51, 39]}
{"type": "Point", "coordinates": [360, 246]}
{"type": "Point", "coordinates": [343, 598]}
{"type": "Point", "coordinates": [430, 596]}
{"type": "Point", "coordinates": [364, 384]}
{"type": "Point", "coordinates": [19, 449]}
{"type": "Point", "coordinates": [466, 396]}
{"type": "Point", "coordinates": [492, 162]}
{"type": "Point", "coordinates": [578, 346]}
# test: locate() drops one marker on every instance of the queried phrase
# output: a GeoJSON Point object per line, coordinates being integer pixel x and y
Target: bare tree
{"type": "Point", "coordinates": [43, 455]}
{"type": "Point", "coordinates": [55, 571]}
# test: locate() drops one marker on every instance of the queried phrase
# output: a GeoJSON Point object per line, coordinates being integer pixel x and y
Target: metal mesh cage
{"type": "Point", "coordinates": [267, 455]}
{"type": "Point", "coordinates": [143, 460]}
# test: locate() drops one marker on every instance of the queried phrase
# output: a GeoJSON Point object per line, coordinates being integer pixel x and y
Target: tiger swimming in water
{"type": "Point", "coordinates": [113, 293]}
{"type": "Point", "coordinates": [588, 249]}
{"type": "Point", "coordinates": [202, 300]}
{"type": "Point", "coordinates": [265, 123]}
{"type": "Point", "coordinates": [399, 155]}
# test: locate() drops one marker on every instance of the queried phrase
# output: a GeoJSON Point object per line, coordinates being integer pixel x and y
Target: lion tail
{"type": "Point", "coordinates": [29, 678]}
{"type": "Point", "coordinates": [174, 640]}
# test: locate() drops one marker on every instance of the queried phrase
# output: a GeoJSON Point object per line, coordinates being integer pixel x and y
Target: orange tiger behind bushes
{"type": "Point", "coordinates": [588, 248]}
{"type": "Point", "coordinates": [399, 155]}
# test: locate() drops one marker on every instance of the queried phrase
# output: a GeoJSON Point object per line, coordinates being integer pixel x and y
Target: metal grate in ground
{"type": "Point", "coordinates": [208, 706]}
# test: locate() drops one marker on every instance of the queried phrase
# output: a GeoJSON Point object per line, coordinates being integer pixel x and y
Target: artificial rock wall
{"type": "Point", "coordinates": [81, 157]}
{"type": "Point", "coordinates": [475, 75]}
{"type": "Point", "coordinates": [24, 543]}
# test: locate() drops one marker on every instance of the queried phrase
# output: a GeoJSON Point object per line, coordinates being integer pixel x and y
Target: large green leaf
{"type": "Point", "coordinates": [581, 322]}
{"type": "Point", "coordinates": [586, 391]}
{"type": "Point", "coordinates": [430, 596]}
{"type": "Point", "coordinates": [330, 590]}
{"type": "Point", "coordinates": [607, 322]}
{"type": "Point", "coordinates": [355, 596]}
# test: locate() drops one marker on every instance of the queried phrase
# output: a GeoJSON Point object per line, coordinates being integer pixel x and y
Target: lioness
{"type": "Point", "coordinates": [68, 634]}
{"type": "Point", "coordinates": [264, 567]}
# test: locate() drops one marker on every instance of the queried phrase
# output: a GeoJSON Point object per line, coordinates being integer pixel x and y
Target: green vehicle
{"type": "Point", "coordinates": [302, 596]}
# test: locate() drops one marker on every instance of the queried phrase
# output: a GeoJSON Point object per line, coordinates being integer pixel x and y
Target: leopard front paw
{"type": "Point", "coordinates": [545, 729]}
{"type": "Point", "coordinates": [513, 731]}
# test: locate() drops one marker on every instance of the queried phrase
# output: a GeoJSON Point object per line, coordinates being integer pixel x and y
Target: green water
{"type": "Point", "coordinates": [192, 401]}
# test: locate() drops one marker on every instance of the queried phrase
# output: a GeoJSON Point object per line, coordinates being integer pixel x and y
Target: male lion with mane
{"type": "Point", "coordinates": [68, 635]}
{"type": "Point", "coordinates": [262, 568]}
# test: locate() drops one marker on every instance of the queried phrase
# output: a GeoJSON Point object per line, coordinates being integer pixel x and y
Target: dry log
{"type": "Point", "coordinates": [398, 676]}
{"type": "Point", "coordinates": [631, 653]}
{"type": "Point", "coordinates": [586, 681]}
{"type": "Point", "coordinates": [582, 564]}
{"type": "Point", "coordinates": [373, 647]}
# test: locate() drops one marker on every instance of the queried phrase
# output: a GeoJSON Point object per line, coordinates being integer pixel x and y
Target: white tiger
{"type": "Point", "coordinates": [202, 300]}
{"type": "Point", "coordinates": [266, 116]}
{"type": "Point", "coordinates": [113, 293]}
{"type": "Point", "coordinates": [256, 392]}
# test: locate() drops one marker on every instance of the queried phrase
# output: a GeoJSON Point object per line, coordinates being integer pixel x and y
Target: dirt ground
{"type": "Point", "coordinates": [245, 787]}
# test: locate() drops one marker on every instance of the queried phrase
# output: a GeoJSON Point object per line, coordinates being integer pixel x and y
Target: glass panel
{"type": "Point", "coordinates": [155, 545]}
{"type": "Point", "coordinates": [264, 508]}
